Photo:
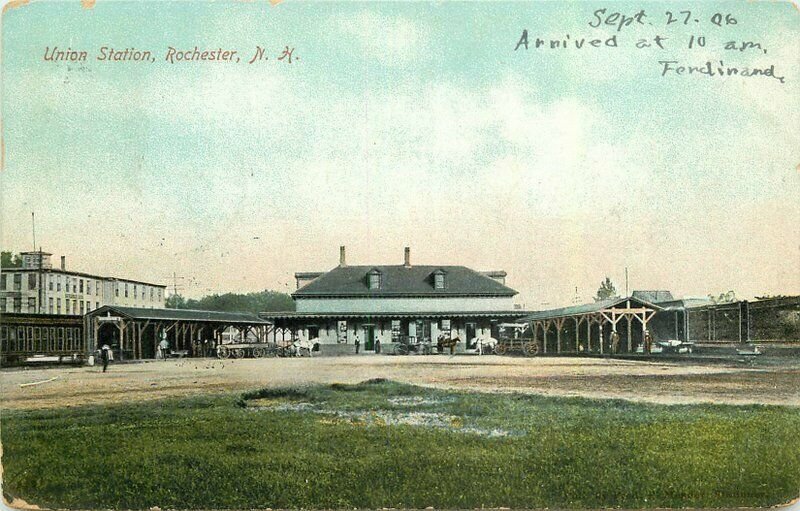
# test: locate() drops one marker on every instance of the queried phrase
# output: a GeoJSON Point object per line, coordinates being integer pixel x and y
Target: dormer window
{"type": "Point", "coordinates": [374, 279]}
{"type": "Point", "coordinates": [438, 279]}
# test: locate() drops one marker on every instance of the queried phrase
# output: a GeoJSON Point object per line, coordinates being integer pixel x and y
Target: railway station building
{"type": "Point", "coordinates": [382, 305]}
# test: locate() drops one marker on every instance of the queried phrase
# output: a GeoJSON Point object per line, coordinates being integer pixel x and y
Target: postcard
{"type": "Point", "coordinates": [400, 255]}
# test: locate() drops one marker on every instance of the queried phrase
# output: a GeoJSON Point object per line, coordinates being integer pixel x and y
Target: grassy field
{"type": "Point", "coordinates": [383, 444]}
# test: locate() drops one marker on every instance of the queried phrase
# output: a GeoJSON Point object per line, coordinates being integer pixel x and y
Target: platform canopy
{"type": "Point", "coordinates": [601, 313]}
{"type": "Point", "coordinates": [139, 330]}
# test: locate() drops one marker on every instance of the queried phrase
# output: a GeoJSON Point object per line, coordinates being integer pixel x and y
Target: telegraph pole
{"type": "Point", "coordinates": [39, 267]}
{"type": "Point", "coordinates": [175, 278]}
{"type": "Point", "coordinates": [626, 282]}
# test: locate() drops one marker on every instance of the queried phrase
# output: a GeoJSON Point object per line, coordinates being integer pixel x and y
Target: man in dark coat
{"type": "Point", "coordinates": [104, 355]}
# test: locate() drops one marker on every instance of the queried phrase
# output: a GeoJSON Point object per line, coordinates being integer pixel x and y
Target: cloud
{"type": "Point", "coordinates": [393, 40]}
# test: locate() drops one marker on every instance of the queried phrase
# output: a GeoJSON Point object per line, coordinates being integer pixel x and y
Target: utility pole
{"type": "Point", "coordinates": [38, 274]}
{"type": "Point", "coordinates": [626, 282]}
{"type": "Point", "coordinates": [175, 287]}
{"type": "Point", "coordinates": [39, 306]}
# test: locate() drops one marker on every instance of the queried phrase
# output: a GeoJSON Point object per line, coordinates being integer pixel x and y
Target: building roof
{"type": "Point", "coordinates": [587, 308]}
{"type": "Point", "coordinates": [400, 280]}
{"type": "Point", "coordinates": [686, 303]}
{"type": "Point", "coordinates": [655, 296]}
{"type": "Point", "coordinates": [274, 316]}
{"type": "Point", "coordinates": [178, 315]}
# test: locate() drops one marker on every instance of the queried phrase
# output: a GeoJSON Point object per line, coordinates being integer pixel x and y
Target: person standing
{"type": "Point", "coordinates": [357, 342]}
{"type": "Point", "coordinates": [614, 342]}
{"type": "Point", "coordinates": [105, 356]}
{"type": "Point", "coordinates": [164, 348]}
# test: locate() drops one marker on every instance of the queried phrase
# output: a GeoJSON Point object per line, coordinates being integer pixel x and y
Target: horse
{"type": "Point", "coordinates": [445, 341]}
{"type": "Point", "coordinates": [487, 344]}
{"type": "Point", "coordinates": [304, 344]}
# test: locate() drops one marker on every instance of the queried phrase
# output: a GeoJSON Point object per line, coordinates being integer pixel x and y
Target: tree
{"type": "Point", "coordinates": [728, 297]}
{"type": "Point", "coordinates": [263, 301]}
{"type": "Point", "coordinates": [606, 290]}
{"type": "Point", "coordinates": [10, 260]}
{"type": "Point", "coordinates": [176, 302]}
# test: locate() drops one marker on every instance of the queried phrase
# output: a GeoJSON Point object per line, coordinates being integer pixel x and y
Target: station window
{"type": "Point", "coordinates": [3, 281]}
{"type": "Point", "coordinates": [31, 281]}
{"type": "Point", "coordinates": [58, 283]}
{"type": "Point", "coordinates": [81, 286]}
{"type": "Point", "coordinates": [75, 307]}
{"type": "Point", "coordinates": [17, 304]}
{"type": "Point", "coordinates": [97, 288]}
{"type": "Point", "coordinates": [438, 281]}
{"type": "Point", "coordinates": [126, 290]}
{"type": "Point", "coordinates": [17, 282]}
{"type": "Point", "coordinates": [50, 282]}
{"type": "Point", "coordinates": [116, 289]}
{"type": "Point", "coordinates": [50, 305]}
{"type": "Point", "coordinates": [74, 285]}
{"type": "Point", "coordinates": [2, 305]}
{"type": "Point", "coordinates": [81, 307]}
{"type": "Point", "coordinates": [58, 305]}
{"type": "Point", "coordinates": [135, 292]}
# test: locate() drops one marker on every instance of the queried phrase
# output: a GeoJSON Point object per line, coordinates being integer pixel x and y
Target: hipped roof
{"type": "Point", "coordinates": [400, 280]}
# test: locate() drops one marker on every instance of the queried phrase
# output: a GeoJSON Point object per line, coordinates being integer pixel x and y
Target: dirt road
{"type": "Point", "coordinates": [588, 377]}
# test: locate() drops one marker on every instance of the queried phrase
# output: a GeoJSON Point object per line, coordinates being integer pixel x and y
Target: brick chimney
{"type": "Point", "coordinates": [63, 262]}
{"type": "Point", "coordinates": [407, 261]}
{"type": "Point", "coordinates": [342, 260]}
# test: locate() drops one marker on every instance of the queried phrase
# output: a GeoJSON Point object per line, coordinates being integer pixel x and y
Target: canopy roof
{"type": "Point", "coordinates": [178, 315]}
{"type": "Point", "coordinates": [590, 308]}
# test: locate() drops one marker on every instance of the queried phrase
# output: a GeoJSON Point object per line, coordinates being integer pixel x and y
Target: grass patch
{"type": "Point", "coordinates": [346, 447]}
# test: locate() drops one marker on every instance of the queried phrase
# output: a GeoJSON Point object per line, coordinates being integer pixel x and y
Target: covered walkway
{"type": "Point", "coordinates": [593, 327]}
{"type": "Point", "coordinates": [134, 333]}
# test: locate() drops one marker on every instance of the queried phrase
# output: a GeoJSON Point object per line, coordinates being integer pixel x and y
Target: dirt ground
{"type": "Point", "coordinates": [658, 382]}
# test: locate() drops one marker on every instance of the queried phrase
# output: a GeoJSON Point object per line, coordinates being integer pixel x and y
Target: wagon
{"type": "Point", "coordinates": [512, 339]}
{"type": "Point", "coordinates": [249, 350]}
{"type": "Point", "coordinates": [407, 347]}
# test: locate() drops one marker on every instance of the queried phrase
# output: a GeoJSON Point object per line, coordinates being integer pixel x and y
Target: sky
{"type": "Point", "coordinates": [406, 124]}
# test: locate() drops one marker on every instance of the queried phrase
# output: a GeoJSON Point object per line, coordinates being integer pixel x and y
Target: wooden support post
{"type": "Point", "coordinates": [545, 327]}
{"type": "Point", "coordinates": [577, 330]}
{"type": "Point", "coordinates": [559, 324]}
{"type": "Point", "coordinates": [600, 334]}
{"type": "Point", "coordinates": [588, 334]}
{"type": "Point", "coordinates": [121, 329]}
{"type": "Point", "coordinates": [630, 336]}
{"type": "Point", "coordinates": [96, 330]}
{"type": "Point", "coordinates": [675, 319]}
{"type": "Point", "coordinates": [686, 325]}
